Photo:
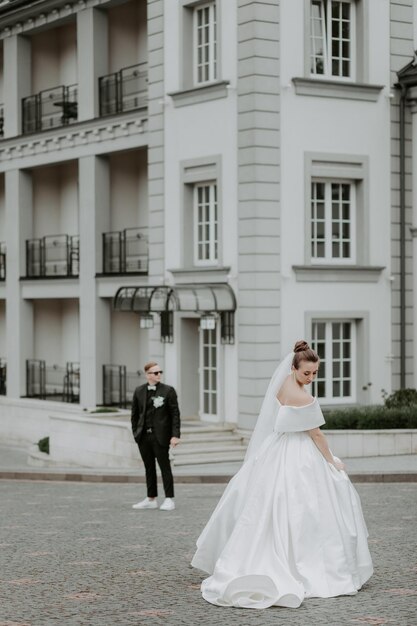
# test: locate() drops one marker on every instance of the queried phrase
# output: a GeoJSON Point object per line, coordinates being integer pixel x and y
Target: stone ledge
{"type": "Point", "coordinates": [338, 273]}
{"type": "Point", "coordinates": [323, 88]}
{"type": "Point", "coordinates": [202, 93]}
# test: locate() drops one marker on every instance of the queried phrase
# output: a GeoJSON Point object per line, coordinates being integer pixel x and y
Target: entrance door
{"type": "Point", "coordinates": [209, 379]}
{"type": "Point", "coordinates": [189, 366]}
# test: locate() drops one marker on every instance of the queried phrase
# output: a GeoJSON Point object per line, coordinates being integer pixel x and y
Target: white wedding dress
{"type": "Point", "coordinates": [289, 525]}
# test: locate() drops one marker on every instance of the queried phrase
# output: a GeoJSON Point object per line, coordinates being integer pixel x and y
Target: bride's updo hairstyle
{"type": "Point", "coordinates": [303, 352]}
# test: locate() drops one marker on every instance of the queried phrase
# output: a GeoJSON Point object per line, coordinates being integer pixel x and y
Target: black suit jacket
{"type": "Point", "coordinates": [166, 418]}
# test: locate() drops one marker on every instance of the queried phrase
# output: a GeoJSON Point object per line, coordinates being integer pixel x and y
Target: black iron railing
{"type": "Point", "coordinates": [50, 108]}
{"type": "Point", "coordinates": [53, 255]}
{"type": "Point", "coordinates": [119, 385]}
{"type": "Point", "coordinates": [3, 376]}
{"type": "Point", "coordinates": [53, 382]}
{"type": "Point", "coordinates": [125, 251]}
{"type": "Point", "coordinates": [1, 120]}
{"type": "Point", "coordinates": [2, 261]}
{"type": "Point", "coordinates": [125, 90]}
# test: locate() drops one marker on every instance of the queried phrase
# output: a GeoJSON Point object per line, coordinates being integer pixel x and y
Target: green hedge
{"type": "Point", "coordinates": [43, 445]}
{"type": "Point", "coordinates": [371, 417]}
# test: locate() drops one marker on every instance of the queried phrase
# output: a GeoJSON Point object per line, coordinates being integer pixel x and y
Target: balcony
{"type": "Point", "coordinates": [2, 261]}
{"type": "Point", "coordinates": [125, 90]}
{"type": "Point", "coordinates": [126, 251]}
{"type": "Point", "coordinates": [3, 376]}
{"type": "Point", "coordinates": [50, 108]}
{"type": "Point", "coordinates": [119, 385]}
{"type": "Point", "coordinates": [53, 256]}
{"type": "Point", "coordinates": [53, 382]}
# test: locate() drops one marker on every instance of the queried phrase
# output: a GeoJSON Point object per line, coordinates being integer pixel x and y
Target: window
{"type": "Point", "coordinates": [334, 341]}
{"type": "Point", "coordinates": [208, 381]}
{"type": "Point", "coordinates": [332, 38]}
{"type": "Point", "coordinates": [332, 221]}
{"type": "Point", "coordinates": [205, 224]}
{"type": "Point", "coordinates": [205, 43]}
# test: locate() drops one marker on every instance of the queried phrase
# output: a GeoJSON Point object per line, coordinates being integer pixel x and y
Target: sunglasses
{"type": "Point", "coordinates": [156, 373]}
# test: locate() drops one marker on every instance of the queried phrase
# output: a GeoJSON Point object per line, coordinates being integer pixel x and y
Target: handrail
{"type": "Point", "coordinates": [52, 255]}
{"type": "Point", "coordinates": [125, 90]}
{"type": "Point", "coordinates": [2, 261]}
{"type": "Point", "coordinates": [126, 251]}
{"type": "Point", "coordinates": [50, 108]}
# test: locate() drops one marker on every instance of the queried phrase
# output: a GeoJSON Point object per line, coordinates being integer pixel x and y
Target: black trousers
{"type": "Point", "coordinates": [150, 450]}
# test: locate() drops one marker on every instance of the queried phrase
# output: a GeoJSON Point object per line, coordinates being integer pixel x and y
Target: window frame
{"type": "Point", "coordinates": [212, 43]}
{"type": "Point", "coordinates": [328, 42]}
{"type": "Point", "coordinates": [213, 224]}
{"type": "Point", "coordinates": [328, 219]}
{"type": "Point", "coordinates": [361, 320]}
{"type": "Point", "coordinates": [193, 172]}
{"type": "Point", "coordinates": [330, 361]}
{"type": "Point", "coordinates": [340, 168]}
{"type": "Point", "coordinates": [210, 391]}
{"type": "Point", "coordinates": [360, 48]}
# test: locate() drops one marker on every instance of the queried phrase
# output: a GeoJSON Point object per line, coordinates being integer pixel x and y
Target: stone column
{"type": "Point", "coordinates": [17, 82]}
{"type": "Point", "coordinates": [156, 162]}
{"type": "Point", "coordinates": [94, 311]}
{"type": "Point", "coordinates": [259, 288]}
{"type": "Point", "coordinates": [92, 59]}
{"type": "Point", "coordinates": [19, 313]}
{"type": "Point", "coordinates": [412, 96]}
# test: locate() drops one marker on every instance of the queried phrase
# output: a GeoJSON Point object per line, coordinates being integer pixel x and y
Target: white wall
{"type": "Point", "coordinates": [127, 35]}
{"type": "Point", "coordinates": [2, 210]}
{"type": "Point", "coordinates": [55, 200]}
{"type": "Point", "coordinates": [128, 342]}
{"type": "Point", "coordinates": [54, 58]}
{"type": "Point", "coordinates": [128, 189]}
{"type": "Point", "coordinates": [56, 331]}
{"type": "Point", "coordinates": [341, 126]}
{"type": "Point", "coordinates": [1, 72]}
{"type": "Point", "coordinates": [2, 328]}
{"type": "Point", "coordinates": [196, 131]}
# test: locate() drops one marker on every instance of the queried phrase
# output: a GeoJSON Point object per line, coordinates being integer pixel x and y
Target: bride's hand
{"type": "Point", "coordinates": [338, 464]}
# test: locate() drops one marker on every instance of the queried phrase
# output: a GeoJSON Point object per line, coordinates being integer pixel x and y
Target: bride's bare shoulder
{"type": "Point", "coordinates": [291, 395]}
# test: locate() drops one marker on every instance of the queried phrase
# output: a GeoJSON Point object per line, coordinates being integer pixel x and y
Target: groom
{"type": "Point", "coordinates": [156, 426]}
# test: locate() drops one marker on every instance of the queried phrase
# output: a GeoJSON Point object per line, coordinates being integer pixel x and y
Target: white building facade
{"type": "Point", "coordinates": [203, 183]}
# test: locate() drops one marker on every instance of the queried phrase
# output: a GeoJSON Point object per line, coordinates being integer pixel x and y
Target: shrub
{"type": "Point", "coordinates": [43, 445]}
{"type": "Point", "coordinates": [371, 418]}
{"type": "Point", "coordinates": [402, 397]}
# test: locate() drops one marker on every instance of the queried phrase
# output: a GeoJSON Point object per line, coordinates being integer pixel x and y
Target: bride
{"type": "Point", "coordinates": [289, 525]}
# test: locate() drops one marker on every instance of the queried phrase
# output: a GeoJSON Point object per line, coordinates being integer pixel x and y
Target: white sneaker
{"type": "Point", "coordinates": [167, 505]}
{"type": "Point", "coordinates": [147, 503]}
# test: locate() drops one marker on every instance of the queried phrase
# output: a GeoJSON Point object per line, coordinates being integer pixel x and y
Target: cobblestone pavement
{"type": "Point", "coordinates": [78, 555]}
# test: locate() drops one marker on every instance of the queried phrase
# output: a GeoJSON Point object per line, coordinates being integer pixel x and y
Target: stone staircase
{"type": "Point", "coordinates": [203, 443]}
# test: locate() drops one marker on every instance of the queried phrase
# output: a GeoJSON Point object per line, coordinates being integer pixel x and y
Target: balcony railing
{"type": "Point", "coordinates": [53, 382]}
{"type": "Point", "coordinates": [50, 108]}
{"type": "Point", "coordinates": [119, 385]}
{"type": "Point", "coordinates": [125, 90]}
{"type": "Point", "coordinates": [125, 251]}
{"type": "Point", "coordinates": [1, 120]}
{"type": "Point", "coordinates": [3, 376]}
{"type": "Point", "coordinates": [53, 255]}
{"type": "Point", "coordinates": [2, 261]}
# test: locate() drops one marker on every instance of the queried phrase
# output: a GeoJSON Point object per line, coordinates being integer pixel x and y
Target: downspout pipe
{"type": "Point", "coordinates": [407, 79]}
{"type": "Point", "coordinates": [403, 99]}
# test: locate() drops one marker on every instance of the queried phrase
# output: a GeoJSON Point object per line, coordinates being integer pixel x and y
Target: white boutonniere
{"type": "Point", "coordinates": [158, 401]}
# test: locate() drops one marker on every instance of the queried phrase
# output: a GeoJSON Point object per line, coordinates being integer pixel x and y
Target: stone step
{"type": "Point", "coordinates": [209, 457]}
{"type": "Point", "coordinates": [209, 437]}
{"type": "Point", "coordinates": [186, 428]}
{"type": "Point", "coordinates": [208, 448]}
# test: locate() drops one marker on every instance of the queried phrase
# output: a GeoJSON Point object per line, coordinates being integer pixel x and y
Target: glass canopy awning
{"type": "Point", "coordinates": [203, 298]}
